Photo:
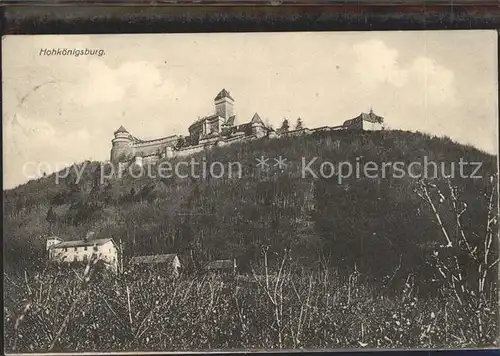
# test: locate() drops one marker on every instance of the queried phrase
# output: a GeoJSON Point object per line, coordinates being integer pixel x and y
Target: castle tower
{"type": "Point", "coordinates": [224, 104]}
{"type": "Point", "coordinates": [258, 127]}
{"type": "Point", "coordinates": [122, 146]}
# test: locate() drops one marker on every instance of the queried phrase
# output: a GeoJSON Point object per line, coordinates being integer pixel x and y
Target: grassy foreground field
{"type": "Point", "coordinates": [92, 312]}
{"type": "Point", "coordinates": [425, 252]}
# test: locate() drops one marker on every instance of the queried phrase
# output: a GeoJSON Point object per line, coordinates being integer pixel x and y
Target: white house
{"type": "Point", "coordinates": [51, 241]}
{"type": "Point", "coordinates": [60, 251]}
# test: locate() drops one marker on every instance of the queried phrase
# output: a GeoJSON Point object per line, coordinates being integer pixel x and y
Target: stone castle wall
{"type": "Point", "coordinates": [215, 130]}
{"type": "Point", "coordinates": [154, 147]}
{"type": "Point", "coordinates": [127, 147]}
{"type": "Point", "coordinates": [122, 151]}
{"type": "Point", "coordinates": [188, 151]}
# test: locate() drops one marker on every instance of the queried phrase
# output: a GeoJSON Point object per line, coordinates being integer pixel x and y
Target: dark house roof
{"type": "Point", "coordinates": [223, 94]}
{"type": "Point", "coordinates": [220, 264]}
{"type": "Point", "coordinates": [80, 243]}
{"type": "Point", "coordinates": [168, 258]}
{"type": "Point", "coordinates": [121, 129]}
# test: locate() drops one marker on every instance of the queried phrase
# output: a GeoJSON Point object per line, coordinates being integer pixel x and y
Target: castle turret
{"type": "Point", "coordinates": [122, 149]}
{"type": "Point", "coordinates": [258, 127]}
{"type": "Point", "coordinates": [224, 104]}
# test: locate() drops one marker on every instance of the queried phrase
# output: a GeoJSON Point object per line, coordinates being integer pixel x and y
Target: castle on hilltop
{"type": "Point", "coordinates": [217, 129]}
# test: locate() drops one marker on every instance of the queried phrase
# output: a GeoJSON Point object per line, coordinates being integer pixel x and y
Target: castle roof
{"type": "Point", "coordinates": [205, 118]}
{"type": "Point", "coordinates": [243, 127]}
{"type": "Point", "coordinates": [121, 129]}
{"type": "Point", "coordinates": [351, 122]}
{"type": "Point", "coordinates": [256, 119]}
{"type": "Point", "coordinates": [166, 139]}
{"type": "Point", "coordinates": [54, 238]}
{"type": "Point", "coordinates": [220, 264]}
{"type": "Point", "coordinates": [168, 258]}
{"type": "Point", "coordinates": [223, 94]}
{"type": "Point", "coordinates": [372, 117]}
{"type": "Point", "coordinates": [230, 121]}
{"type": "Point", "coordinates": [79, 243]}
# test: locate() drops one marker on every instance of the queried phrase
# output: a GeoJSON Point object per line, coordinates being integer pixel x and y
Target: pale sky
{"type": "Point", "coordinates": [439, 82]}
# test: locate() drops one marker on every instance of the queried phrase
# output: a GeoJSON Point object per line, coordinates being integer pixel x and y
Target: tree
{"type": "Point", "coordinates": [181, 142]}
{"type": "Point", "coordinates": [285, 126]}
{"type": "Point", "coordinates": [465, 260]}
{"type": "Point", "coordinates": [108, 192]}
{"type": "Point", "coordinates": [51, 218]}
{"type": "Point", "coordinates": [299, 125]}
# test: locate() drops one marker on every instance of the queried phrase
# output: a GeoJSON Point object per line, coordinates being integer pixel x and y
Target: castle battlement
{"type": "Point", "coordinates": [203, 133]}
{"type": "Point", "coordinates": [216, 130]}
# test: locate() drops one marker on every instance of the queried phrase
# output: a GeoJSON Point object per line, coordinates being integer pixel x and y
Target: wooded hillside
{"type": "Point", "coordinates": [379, 226]}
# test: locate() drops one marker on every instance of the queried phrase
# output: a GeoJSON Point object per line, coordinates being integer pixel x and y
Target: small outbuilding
{"type": "Point", "coordinates": [168, 264]}
{"type": "Point", "coordinates": [221, 266]}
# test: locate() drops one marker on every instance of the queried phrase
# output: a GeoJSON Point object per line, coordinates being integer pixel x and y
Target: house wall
{"type": "Point", "coordinates": [371, 126]}
{"type": "Point", "coordinates": [52, 242]}
{"type": "Point", "coordinates": [106, 252]}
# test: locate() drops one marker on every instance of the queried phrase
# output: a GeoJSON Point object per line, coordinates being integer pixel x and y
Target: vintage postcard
{"type": "Point", "coordinates": [250, 191]}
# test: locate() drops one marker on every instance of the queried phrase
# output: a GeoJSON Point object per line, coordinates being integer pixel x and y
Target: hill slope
{"type": "Point", "coordinates": [374, 224]}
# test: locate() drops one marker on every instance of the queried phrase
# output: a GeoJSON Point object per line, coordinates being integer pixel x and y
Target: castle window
{"type": "Point", "coordinates": [65, 249]}
{"type": "Point", "coordinates": [76, 249]}
{"type": "Point", "coordinates": [95, 248]}
{"type": "Point", "coordinates": [85, 248]}
{"type": "Point", "coordinates": [75, 259]}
